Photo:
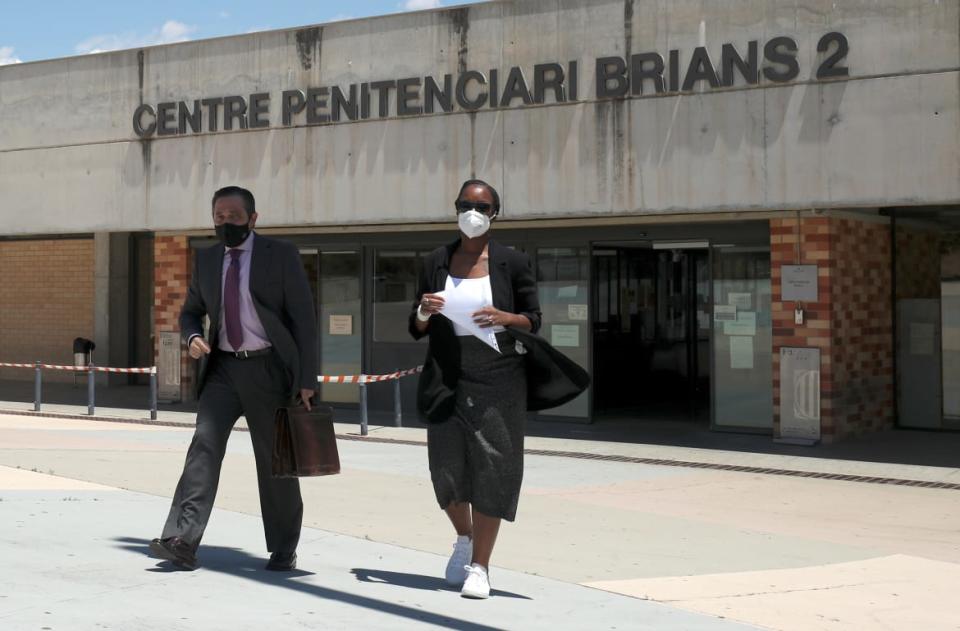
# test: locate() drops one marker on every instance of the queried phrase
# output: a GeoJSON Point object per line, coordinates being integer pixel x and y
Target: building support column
{"type": "Point", "coordinates": [112, 311]}
{"type": "Point", "coordinates": [172, 266]}
{"type": "Point", "coordinates": [851, 323]}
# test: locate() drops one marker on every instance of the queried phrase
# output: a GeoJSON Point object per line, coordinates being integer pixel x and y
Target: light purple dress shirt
{"type": "Point", "coordinates": [254, 336]}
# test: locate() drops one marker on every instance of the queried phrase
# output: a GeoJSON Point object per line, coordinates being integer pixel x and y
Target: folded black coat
{"type": "Point", "coordinates": [552, 377]}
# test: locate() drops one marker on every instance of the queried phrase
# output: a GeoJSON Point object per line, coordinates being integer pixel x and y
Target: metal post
{"type": "Point", "coordinates": [397, 412]}
{"type": "Point", "coordinates": [363, 409]}
{"type": "Point", "coordinates": [153, 395]}
{"type": "Point", "coordinates": [90, 389]}
{"type": "Point", "coordinates": [37, 387]}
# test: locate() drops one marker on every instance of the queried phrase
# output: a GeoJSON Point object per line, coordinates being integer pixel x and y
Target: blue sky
{"type": "Point", "coordinates": [30, 32]}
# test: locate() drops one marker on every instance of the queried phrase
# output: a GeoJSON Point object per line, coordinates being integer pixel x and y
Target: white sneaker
{"type": "Point", "coordinates": [477, 584]}
{"type": "Point", "coordinates": [462, 553]}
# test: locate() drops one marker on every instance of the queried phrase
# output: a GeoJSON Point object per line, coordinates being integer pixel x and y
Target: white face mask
{"type": "Point", "coordinates": [473, 223]}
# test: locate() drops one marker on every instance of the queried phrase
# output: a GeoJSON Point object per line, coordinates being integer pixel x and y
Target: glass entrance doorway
{"type": "Point", "coordinates": [651, 331]}
{"type": "Point", "coordinates": [927, 285]}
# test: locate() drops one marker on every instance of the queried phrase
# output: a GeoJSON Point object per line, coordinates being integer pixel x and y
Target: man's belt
{"type": "Point", "coordinates": [248, 354]}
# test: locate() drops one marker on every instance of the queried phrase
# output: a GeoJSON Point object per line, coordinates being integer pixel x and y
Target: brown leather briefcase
{"type": "Point", "coordinates": [304, 442]}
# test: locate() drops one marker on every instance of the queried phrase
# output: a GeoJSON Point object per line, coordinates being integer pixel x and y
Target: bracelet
{"type": "Point", "coordinates": [423, 317]}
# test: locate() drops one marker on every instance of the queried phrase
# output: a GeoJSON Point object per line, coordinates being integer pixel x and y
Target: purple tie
{"type": "Point", "coordinates": [231, 302]}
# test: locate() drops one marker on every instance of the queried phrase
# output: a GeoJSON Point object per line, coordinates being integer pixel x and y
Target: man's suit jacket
{"type": "Point", "coordinates": [282, 299]}
{"type": "Point", "coordinates": [552, 378]}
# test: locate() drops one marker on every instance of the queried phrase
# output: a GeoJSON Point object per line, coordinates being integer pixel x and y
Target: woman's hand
{"type": "Point", "coordinates": [491, 316]}
{"type": "Point", "coordinates": [431, 304]}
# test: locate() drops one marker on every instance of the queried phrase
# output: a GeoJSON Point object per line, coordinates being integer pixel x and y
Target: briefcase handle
{"type": "Point", "coordinates": [314, 400]}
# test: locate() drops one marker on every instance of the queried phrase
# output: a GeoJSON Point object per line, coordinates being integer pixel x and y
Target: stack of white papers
{"type": "Point", "coordinates": [459, 306]}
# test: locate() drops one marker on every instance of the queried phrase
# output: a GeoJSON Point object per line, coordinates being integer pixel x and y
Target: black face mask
{"type": "Point", "coordinates": [231, 234]}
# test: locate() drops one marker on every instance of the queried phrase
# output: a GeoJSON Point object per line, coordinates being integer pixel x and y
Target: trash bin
{"type": "Point", "coordinates": [83, 351]}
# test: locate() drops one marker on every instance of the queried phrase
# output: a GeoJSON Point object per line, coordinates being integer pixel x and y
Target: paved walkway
{"type": "Point", "coordinates": [75, 557]}
{"type": "Point", "coordinates": [875, 457]}
{"type": "Point", "coordinates": [597, 544]}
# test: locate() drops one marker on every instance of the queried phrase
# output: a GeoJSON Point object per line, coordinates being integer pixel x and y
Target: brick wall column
{"type": "Point", "coordinates": [172, 268]}
{"type": "Point", "coordinates": [851, 324]}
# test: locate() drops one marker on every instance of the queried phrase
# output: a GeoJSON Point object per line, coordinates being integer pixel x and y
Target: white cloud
{"type": "Point", "coordinates": [171, 32]}
{"type": "Point", "coordinates": [419, 5]}
{"type": "Point", "coordinates": [6, 56]}
{"type": "Point", "coordinates": [340, 17]}
{"type": "Point", "coordinates": [224, 15]}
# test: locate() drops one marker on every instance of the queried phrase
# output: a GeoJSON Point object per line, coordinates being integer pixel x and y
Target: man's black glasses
{"type": "Point", "coordinates": [463, 206]}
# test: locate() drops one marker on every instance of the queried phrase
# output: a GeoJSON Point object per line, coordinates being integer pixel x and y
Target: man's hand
{"type": "Point", "coordinates": [306, 394]}
{"type": "Point", "coordinates": [199, 347]}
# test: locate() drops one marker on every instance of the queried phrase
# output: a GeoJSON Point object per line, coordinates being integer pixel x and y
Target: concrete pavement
{"type": "Point", "coordinates": [761, 550]}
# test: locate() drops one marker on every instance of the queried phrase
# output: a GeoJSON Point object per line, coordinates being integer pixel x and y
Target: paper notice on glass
{"type": "Point", "coordinates": [459, 308]}
{"type": "Point", "coordinates": [577, 312]}
{"type": "Point", "coordinates": [566, 335]}
{"type": "Point", "coordinates": [741, 352]}
{"type": "Point", "coordinates": [745, 324]}
{"type": "Point", "coordinates": [724, 313]}
{"type": "Point", "coordinates": [743, 301]}
{"type": "Point", "coordinates": [341, 325]}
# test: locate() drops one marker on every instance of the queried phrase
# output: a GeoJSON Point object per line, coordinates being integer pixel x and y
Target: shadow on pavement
{"type": "Point", "coordinates": [236, 562]}
{"type": "Point", "coordinates": [418, 581]}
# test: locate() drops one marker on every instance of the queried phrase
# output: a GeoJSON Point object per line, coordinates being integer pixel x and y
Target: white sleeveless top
{"type": "Point", "coordinates": [478, 292]}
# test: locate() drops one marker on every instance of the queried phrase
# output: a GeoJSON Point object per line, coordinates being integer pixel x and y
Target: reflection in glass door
{"type": "Point", "coordinates": [395, 274]}
{"type": "Point", "coordinates": [742, 338]}
{"type": "Point", "coordinates": [562, 275]}
{"type": "Point", "coordinates": [335, 279]}
{"type": "Point", "coordinates": [651, 328]}
{"type": "Point", "coordinates": [927, 277]}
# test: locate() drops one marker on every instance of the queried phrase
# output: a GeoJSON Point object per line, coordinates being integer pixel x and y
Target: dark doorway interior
{"type": "Point", "coordinates": [651, 330]}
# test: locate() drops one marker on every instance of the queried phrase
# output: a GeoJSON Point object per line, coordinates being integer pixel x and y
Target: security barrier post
{"type": "Point", "coordinates": [37, 387]}
{"type": "Point", "coordinates": [90, 389]}
{"type": "Point", "coordinates": [397, 408]}
{"type": "Point", "coordinates": [363, 409]}
{"type": "Point", "coordinates": [153, 394]}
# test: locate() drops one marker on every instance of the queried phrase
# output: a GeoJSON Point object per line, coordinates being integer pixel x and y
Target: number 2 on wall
{"type": "Point", "coordinates": [829, 67]}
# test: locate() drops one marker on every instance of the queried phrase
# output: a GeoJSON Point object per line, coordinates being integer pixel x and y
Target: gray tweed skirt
{"type": "Point", "coordinates": [476, 456]}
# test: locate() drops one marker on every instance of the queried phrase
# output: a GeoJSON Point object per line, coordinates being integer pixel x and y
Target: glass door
{"type": "Point", "coordinates": [651, 330]}
{"type": "Point", "coordinates": [927, 280]}
{"type": "Point", "coordinates": [395, 274]}
{"type": "Point", "coordinates": [335, 279]}
{"type": "Point", "coordinates": [742, 338]}
{"type": "Point", "coordinates": [562, 277]}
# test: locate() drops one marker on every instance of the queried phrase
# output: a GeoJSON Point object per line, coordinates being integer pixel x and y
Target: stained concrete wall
{"type": "Point", "coordinates": [890, 135]}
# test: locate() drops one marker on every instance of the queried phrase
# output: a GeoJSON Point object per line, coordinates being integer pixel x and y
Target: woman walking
{"type": "Point", "coordinates": [474, 395]}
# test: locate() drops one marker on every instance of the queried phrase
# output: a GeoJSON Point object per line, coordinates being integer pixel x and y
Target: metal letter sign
{"type": "Point", "coordinates": [169, 367]}
{"type": "Point", "coordinates": [800, 394]}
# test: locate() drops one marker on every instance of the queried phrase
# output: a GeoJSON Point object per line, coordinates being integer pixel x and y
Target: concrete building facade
{"type": "Point", "coordinates": [741, 213]}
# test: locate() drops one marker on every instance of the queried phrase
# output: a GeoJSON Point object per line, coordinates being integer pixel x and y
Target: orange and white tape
{"type": "Point", "coordinates": [152, 370]}
{"type": "Point", "coordinates": [368, 378]}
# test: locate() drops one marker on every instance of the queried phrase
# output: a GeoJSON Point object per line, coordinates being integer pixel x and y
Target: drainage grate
{"type": "Point", "coordinates": [844, 477]}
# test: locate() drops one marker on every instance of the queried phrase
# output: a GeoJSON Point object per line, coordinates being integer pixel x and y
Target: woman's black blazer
{"type": "Point", "coordinates": [552, 378]}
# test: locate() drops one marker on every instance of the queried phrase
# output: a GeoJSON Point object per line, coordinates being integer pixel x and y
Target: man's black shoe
{"type": "Point", "coordinates": [175, 550]}
{"type": "Point", "coordinates": [282, 562]}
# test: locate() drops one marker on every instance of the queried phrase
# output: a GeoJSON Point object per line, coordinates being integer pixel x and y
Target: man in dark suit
{"type": "Point", "coordinates": [258, 354]}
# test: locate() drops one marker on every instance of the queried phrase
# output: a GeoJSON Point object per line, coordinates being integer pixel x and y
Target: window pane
{"type": "Point", "coordinates": [395, 287]}
{"type": "Point", "coordinates": [742, 339]}
{"type": "Point", "coordinates": [341, 333]}
{"type": "Point", "coordinates": [562, 275]}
